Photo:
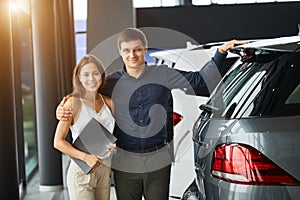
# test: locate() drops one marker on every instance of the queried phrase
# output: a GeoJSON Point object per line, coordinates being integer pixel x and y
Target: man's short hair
{"type": "Point", "coordinates": [132, 34]}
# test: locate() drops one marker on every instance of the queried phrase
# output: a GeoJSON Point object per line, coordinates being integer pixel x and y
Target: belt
{"type": "Point", "coordinates": [147, 150]}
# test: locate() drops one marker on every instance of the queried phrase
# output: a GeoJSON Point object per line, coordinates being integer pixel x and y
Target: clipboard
{"type": "Point", "coordinates": [93, 139]}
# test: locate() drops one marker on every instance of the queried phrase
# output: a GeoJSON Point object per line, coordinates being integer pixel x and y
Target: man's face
{"type": "Point", "coordinates": [133, 53]}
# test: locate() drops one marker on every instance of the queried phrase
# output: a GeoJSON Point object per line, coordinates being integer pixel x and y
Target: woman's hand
{"type": "Point", "coordinates": [92, 160]}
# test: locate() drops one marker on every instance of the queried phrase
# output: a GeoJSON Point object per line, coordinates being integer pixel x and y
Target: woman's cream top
{"type": "Point", "coordinates": [104, 116]}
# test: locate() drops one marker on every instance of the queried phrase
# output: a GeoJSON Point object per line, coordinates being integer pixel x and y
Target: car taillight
{"type": "Point", "coordinates": [242, 164]}
{"type": "Point", "coordinates": [176, 118]}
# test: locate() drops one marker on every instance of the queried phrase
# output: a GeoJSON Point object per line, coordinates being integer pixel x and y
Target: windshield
{"type": "Point", "coordinates": [263, 86]}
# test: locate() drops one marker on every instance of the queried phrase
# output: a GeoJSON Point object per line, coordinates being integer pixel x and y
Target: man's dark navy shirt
{"type": "Point", "coordinates": [142, 105]}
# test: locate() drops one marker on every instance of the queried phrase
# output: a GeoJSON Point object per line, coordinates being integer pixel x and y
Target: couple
{"type": "Point", "coordinates": [139, 98]}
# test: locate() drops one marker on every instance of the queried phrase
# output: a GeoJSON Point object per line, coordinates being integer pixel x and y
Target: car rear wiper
{"type": "Point", "coordinates": [259, 55]}
{"type": "Point", "coordinates": [208, 108]}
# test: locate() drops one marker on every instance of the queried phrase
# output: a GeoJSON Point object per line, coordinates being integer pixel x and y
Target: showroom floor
{"type": "Point", "coordinates": [33, 193]}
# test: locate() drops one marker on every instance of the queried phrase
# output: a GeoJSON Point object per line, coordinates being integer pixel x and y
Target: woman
{"type": "Point", "coordinates": [86, 102]}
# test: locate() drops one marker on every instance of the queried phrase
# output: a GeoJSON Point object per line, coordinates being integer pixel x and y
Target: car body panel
{"type": "Point", "coordinates": [252, 107]}
{"type": "Point", "coordinates": [264, 134]}
{"type": "Point", "coordinates": [183, 144]}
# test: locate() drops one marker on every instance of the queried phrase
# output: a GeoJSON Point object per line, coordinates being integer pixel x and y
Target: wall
{"type": "Point", "coordinates": [104, 21]}
{"type": "Point", "coordinates": [223, 22]}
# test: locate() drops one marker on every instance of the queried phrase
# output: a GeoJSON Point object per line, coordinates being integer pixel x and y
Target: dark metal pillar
{"type": "Point", "coordinates": [8, 157]}
{"type": "Point", "coordinates": [46, 63]}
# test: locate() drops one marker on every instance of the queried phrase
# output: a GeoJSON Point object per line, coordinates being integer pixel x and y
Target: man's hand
{"type": "Point", "coordinates": [63, 113]}
{"type": "Point", "coordinates": [110, 149]}
{"type": "Point", "coordinates": [224, 48]}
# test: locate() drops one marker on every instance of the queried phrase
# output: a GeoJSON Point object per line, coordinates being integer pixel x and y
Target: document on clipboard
{"type": "Point", "coordinates": [93, 139]}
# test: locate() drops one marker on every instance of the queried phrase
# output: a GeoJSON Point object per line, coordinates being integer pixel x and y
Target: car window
{"type": "Point", "coordinates": [264, 87]}
{"type": "Point", "coordinates": [235, 87]}
{"type": "Point", "coordinates": [279, 96]}
{"type": "Point", "coordinates": [294, 98]}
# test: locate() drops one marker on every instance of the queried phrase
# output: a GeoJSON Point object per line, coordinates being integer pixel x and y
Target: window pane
{"type": "Point", "coordinates": [80, 45]}
{"type": "Point", "coordinates": [80, 25]}
{"type": "Point", "coordinates": [146, 3]}
{"type": "Point", "coordinates": [80, 9]}
{"type": "Point", "coordinates": [30, 145]}
{"type": "Point", "coordinates": [208, 2]}
{"type": "Point", "coordinates": [27, 85]}
{"type": "Point", "coordinates": [154, 3]}
{"type": "Point", "coordinates": [201, 2]}
{"type": "Point", "coordinates": [170, 2]}
{"type": "Point", "coordinates": [294, 97]}
{"type": "Point", "coordinates": [80, 17]}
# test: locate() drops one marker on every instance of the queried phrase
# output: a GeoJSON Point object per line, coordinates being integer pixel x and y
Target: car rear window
{"type": "Point", "coordinates": [264, 87]}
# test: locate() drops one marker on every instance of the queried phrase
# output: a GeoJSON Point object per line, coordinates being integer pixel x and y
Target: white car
{"type": "Point", "coordinates": [186, 110]}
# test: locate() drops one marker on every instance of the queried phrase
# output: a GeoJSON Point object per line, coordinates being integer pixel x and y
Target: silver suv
{"type": "Point", "coordinates": [247, 137]}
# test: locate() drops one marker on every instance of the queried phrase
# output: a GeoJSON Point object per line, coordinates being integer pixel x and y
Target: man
{"type": "Point", "coordinates": [143, 113]}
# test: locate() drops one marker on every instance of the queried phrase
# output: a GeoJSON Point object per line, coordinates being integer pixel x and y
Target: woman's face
{"type": "Point", "coordinates": [90, 77]}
